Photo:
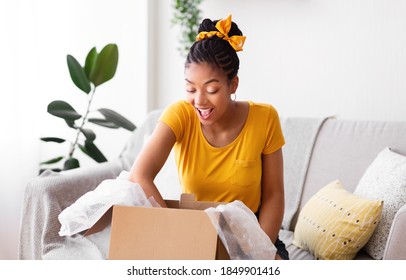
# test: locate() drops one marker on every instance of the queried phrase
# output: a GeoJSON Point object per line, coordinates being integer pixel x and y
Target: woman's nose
{"type": "Point", "coordinates": [200, 98]}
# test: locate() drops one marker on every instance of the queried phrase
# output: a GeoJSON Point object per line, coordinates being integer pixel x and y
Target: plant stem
{"type": "Point", "coordinates": [84, 120]}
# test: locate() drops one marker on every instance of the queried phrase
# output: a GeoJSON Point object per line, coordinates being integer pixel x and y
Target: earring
{"type": "Point", "coordinates": [233, 96]}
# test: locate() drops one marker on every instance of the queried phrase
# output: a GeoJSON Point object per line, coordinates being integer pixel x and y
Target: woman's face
{"type": "Point", "coordinates": [208, 89]}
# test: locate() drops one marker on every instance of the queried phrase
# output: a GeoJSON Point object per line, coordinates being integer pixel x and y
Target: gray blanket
{"type": "Point", "coordinates": [47, 195]}
{"type": "Point", "coordinates": [300, 135]}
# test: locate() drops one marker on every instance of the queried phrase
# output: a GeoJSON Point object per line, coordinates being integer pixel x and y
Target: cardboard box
{"type": "Point", "coordinates": [180, 232]}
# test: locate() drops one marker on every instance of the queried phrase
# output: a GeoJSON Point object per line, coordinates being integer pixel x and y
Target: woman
{"type": "Point", "coordinates": [225, 150]}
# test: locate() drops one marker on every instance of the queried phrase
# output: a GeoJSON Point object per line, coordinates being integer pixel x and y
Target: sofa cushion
{"type": "Point", "coordinates": [384, 179]}
{"type": "Point", "coordinates": [344, 149]}
{"type": "Point", "coordinates": [336, 224]}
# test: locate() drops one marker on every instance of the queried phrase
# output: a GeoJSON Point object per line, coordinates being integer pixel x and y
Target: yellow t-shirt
{"type": "Point", "coordinates": [228, 173]}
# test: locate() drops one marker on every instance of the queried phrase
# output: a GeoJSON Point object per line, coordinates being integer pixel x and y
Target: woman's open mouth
{"type": "Point", "coordinates": [204, 113]}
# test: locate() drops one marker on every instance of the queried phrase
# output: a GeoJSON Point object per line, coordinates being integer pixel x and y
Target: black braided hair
{"type": "Point", "coordinates": [215, 50]}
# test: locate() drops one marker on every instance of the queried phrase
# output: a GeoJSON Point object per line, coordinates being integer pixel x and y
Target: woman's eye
{"type": "Point", "coordinates": [190, 90]}
{"type": "Point", "coordinates": [212, 90]}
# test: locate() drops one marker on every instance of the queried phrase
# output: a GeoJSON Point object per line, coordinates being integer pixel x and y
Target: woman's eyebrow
{"type": "Point", "coordinates": [212, 81]}
{"type": "Point", "coordinates": [208, 82]}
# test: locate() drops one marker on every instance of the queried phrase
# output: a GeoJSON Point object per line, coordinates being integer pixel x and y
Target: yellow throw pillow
{"type": "Point", "coordinates": [335, 224]}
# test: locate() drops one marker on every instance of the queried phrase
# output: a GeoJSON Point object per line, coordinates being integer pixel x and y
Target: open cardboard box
{"type": "Point", "coordinates": [181, 231]}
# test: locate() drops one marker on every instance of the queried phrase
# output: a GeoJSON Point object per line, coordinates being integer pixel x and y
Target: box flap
{"type": "Point", "coordinates": [172, 203]}
{"type": "Point", "coordinates": [101, 223]}
{"type": "Point", "coordinates": [221, 253]}
{"type": "Point", "coordinates": [188, 201]}
{"type": "Point", "coordinates": [187, 197]}
{"type": "Point", "coordinates": [161, 233]}
{"type": "Point", "coordinates": [105, 219]}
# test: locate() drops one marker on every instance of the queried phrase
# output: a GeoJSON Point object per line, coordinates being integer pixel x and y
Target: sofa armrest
{"type": "Point", "coordinates": [46, 196]}
{"type": "Point", "coordinates": [395, 248]}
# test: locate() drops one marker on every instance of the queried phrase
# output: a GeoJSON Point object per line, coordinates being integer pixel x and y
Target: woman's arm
{"type": "Point", "coordinates": [272, 195]}
{"type": "Point", "coordinates": [151, 159]}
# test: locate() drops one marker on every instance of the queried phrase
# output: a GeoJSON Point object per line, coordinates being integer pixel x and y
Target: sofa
{"type": "Point", "coordinates": [320, 154]}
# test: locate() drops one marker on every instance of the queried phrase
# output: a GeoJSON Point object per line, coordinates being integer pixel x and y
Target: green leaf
{"type": "Point", "coordinates": [71, 123]}
{"type": "Point", "coordinates": [103, 122]}
{"type": "Point", "coordinates": [51, 161]}
{"type": "Point", "coordinates": [82, 148]}
{"type": "Point", "coordinates": [53, 139]}
{"type": "Point", "coordinates": [116, 118]}
{"type": "Point", "coordinates": [92, 151]}
{"type": "Point", "coordinates": [90, 61]}
{"type": "Point", "coordinates": [71, 163]}
{"type": "Point", "coordinates": [63, 110]}
{"type": "Point", "coordinates": [77, 74]}
{"type": "Point", "coordinates": [89, 134]}
{"type": "Point", "coordinates": [105, 66]}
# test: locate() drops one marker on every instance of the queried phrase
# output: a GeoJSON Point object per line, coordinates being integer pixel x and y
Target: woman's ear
{"type": "Point", "coordinates": [234, 84]}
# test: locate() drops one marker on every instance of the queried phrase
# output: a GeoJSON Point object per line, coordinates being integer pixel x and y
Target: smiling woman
{"type": "Point", "coordinates": [207, 84]}
{"type": "Point", "coordinates": [225, 150]}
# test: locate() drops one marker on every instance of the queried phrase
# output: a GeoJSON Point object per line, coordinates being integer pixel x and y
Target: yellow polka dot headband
{"type": "Point", "coordinates": [223, 26]}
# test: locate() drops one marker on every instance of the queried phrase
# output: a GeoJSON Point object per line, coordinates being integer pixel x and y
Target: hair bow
{"type": "Point", "coordinates": [223, 26]}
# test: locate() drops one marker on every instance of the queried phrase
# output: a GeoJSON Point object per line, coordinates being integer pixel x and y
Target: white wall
{"type": "Point", "coordinates": [308, 58]}
{"type": "Point", "coordinates": [36, 36]}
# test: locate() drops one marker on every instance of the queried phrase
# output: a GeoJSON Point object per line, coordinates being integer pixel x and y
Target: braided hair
{"type": "Point", "coordinates": [215, 50]}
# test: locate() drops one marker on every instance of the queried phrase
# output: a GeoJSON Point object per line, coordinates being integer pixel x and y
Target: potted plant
{"type": "Point", "coordinates": [97, 69]}
{"type": "Point", "coordinates": [186, 14]}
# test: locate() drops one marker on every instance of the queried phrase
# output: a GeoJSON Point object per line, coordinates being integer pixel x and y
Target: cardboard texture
{"type": "Point", "coordinates": [180, 232]}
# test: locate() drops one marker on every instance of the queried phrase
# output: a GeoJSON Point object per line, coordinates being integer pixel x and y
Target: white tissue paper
{"type": "Point", "coordinates": [89, 208]}
{"type": "Point", "coordinates": [240, 232]}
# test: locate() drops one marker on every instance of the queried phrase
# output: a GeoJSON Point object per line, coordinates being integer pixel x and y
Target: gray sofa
{"type": "Point", "coordinates": [317, 151]}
